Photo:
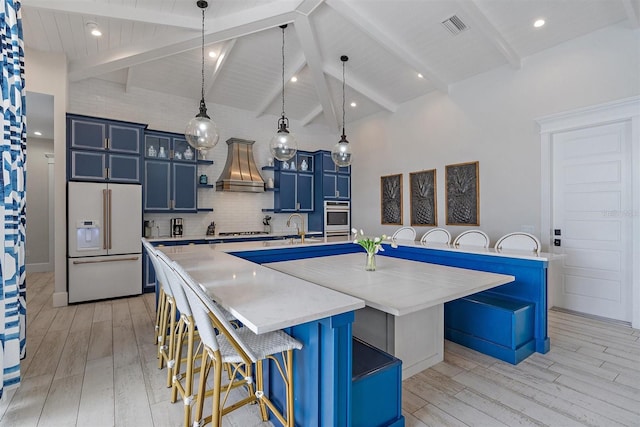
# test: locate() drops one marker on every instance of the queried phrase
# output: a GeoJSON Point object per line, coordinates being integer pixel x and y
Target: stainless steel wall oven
{"type": "Point", "coordinates": [337, 218]}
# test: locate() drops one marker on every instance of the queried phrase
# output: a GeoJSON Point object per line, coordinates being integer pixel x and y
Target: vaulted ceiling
{"type": "Point", "coordinates": [156, 45]}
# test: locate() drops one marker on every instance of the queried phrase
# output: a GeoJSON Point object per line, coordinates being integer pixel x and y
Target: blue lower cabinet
{"type": "Point", "coordinates": [376, 389]}
{"type": "Point", "coordinates": [501, 327]}
{"type": "Point", "coordinates": [148, 276]}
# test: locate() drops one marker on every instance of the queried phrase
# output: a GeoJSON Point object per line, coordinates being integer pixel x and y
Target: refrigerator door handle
{"type": "Point", "coordinates": [109, 193]}
{"type": "Point", "coordinates": [105, 219]}
{"type": "Point", "coordinates": [133, 258]}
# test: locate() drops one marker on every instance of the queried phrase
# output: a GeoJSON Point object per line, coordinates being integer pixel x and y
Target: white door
{"type": "Point", "coordinates": [592, 209]}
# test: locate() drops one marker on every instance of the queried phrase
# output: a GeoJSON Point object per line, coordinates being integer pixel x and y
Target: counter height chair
{"type": "Point", "coordinates": [240, 348]}
{"type": "Point", "coordinates": [404, 233]}
{"type": "Point", "coordinates": [436, 235]}
{"type": "Point", "coordinates": [165, 311]}
{"type": "Point", "coordinates": [472, 238]}
{"type": "Point", "coordinates": [519, 241]}
{"type": "Point", "coordinates": [181, 381]}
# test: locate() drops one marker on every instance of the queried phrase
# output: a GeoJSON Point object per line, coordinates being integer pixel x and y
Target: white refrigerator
{"type": "Point", "coordinates": [104, 247]}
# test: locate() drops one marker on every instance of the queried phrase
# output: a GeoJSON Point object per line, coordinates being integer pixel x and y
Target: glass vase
{"type": "Point", "coordinates": [371, 262]}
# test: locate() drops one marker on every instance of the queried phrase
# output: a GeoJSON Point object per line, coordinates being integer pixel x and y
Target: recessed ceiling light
{"type": "Point", "coordinates": [539, 23]}
{"type": "Point", "coordinates": [212, 54]}
{"type": "Point", "coordinates": [37, 133]}
{"type": "Point", "coordinates": [93, 28]}
{"type": "Point", "coordinates": [420, 75]}
{"type": "Point", "coordinates": [353, 104]}
{"type": "Point", "coordinates": [294, 79]}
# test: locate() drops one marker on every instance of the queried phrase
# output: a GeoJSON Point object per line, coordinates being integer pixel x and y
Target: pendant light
{"type": "Point", "coordinates": [283, 145]}
{"type": "Point", "coordinates": [201, 132]}
{"type": "Point", "coordinates": [341, 152]}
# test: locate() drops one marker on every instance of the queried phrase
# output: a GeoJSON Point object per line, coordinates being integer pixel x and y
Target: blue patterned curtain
{"type": "Point", "coordinates": [12, 203]}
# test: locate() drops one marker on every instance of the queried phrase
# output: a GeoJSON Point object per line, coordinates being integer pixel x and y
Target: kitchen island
{"type": "Point", "coordinates": [404, 315]}
{"type": "Point", "coordinates": [232, 275]}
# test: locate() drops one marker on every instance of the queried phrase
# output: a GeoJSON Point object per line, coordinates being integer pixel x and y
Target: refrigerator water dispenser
{"type": "Point", "coordinates": [88, 235]}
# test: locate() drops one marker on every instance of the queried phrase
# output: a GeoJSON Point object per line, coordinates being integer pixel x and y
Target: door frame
{"type": "Point", "coordinates": [624, 110]}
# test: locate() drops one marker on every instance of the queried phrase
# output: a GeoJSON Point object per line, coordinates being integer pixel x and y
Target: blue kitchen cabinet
{"type": "Point", "coordinates": [331, 183]}
{"type": "Point", "coordinates": [103, 150]}
{"type": "Point", "coordinates": [336, 181]}
{"type": "Point", "coordinates": [170, 173]}
{"type": "Point", "coordinates": [294, 184]}
{"type": "Point", "coordinates": [148, 275]}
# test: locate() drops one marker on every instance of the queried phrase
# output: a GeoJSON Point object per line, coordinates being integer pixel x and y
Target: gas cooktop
{"type": "Point", "coordinates": [241, 233]}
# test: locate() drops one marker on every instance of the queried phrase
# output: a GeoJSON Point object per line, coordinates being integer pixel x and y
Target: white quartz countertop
{"type": "Point", "coordinates": [397, 286]}
{"type": "Point", "coordinates": [262, 299]}
{"type": "Point", "coordinates": [279, 295]}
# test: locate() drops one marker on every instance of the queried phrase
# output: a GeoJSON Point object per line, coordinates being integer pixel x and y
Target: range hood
{"type": "Point", "coordinates": [240, 172]}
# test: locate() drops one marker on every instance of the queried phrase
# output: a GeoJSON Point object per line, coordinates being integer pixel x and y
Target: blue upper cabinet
{"type": "Point", "coordinates": [103, 150]}
{"type": "Point", "coordinates": [294, 184]}
{"type": "Point", "coordinates": [170, 173]}
{"type": "Point", "coordinates": [336, 181]}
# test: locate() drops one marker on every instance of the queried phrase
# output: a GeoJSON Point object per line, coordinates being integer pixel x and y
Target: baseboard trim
{"type": "Point", "coordinates": [60, 299]}
{"type": "Point", "coordinates": [41, 267]}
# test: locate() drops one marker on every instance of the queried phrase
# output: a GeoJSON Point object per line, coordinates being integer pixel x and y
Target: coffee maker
{"type": "Point", "coordinates": [176, 227]}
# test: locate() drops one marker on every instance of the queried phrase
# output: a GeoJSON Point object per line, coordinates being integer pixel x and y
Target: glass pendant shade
{"type": "Point", "coordinates": [201, 132]}
{"type": "Point", "coordinates": [341, 153]}
{"type": "Point", "coordinates": [283, 145]}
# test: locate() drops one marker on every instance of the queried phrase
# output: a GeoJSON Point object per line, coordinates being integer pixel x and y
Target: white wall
{"type": "Point", "coordinates": [491, 118]}
{"type": "Point", "coordinates": [232, 211]}
{"type": "Point", "coordinates": [37, 242]}
{"type": "Point", "coordinates": [47, 73]}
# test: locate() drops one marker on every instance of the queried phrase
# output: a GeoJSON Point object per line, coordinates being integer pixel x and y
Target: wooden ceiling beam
{"type": "Point", "coordinates": [224, 28]}
{"type": "Point", "coordinates": [117, 11]}
{"type": "Point", "coordinates": [387, 41]}
{"type": "Point", "coordinates": [482, 24]}
{"type": "Point", "coordinates": [311, 116]}
{"type": "Point", "coordinates": [293, 69]}
{"type": "Point", "coordinates": [222, 58]}
{"type": "Point", "coordinates": [361, 88]}
{"type": "Point", "coordinates": [311, 51]}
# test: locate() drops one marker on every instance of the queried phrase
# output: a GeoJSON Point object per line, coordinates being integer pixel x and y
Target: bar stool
{"type": "Point", "coordinates": [165, 312]}
{"type": "Point", "coordinates": [518, 240]}
{"type": "Point", "coordinates": [241, 348]}
{"type": "Point", "coordinates": [404, 233]}
{"type": "Point", "coordinates": [436, 235]}
{"type": "Point", "coordinates": [472, 238]}
{"type": "Point", "coordinates": [181, 381]}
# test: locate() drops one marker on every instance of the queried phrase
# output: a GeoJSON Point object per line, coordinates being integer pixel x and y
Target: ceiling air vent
{"type": "Point", "coordinates": [454, 25]}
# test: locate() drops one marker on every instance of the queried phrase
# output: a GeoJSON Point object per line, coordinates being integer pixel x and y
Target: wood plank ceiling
{"type": "Point", "coordinates": [155, 44]}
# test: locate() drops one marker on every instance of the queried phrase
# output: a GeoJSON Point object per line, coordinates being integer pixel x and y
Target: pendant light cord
{"type": "Point", "coordinates": [343, 97]}
{"type": "Point", "coordinates": [202, 86]}
{"type": "Point", "coordinates": [283, 27]}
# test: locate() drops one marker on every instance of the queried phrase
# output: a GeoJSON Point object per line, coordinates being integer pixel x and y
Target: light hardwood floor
{"type": "Point", "coordinates": [94, 364]}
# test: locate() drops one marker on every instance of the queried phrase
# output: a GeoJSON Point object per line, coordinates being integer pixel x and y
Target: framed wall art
{"type": "Point", "coordinates": [391, 199]}
{"type": "Point", "coordinates": [422, 190]}
{"type": "Point", "coordinates": [462, 193]}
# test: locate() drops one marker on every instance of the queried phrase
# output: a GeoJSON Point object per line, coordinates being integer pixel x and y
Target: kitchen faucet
{"type": "Point", "coordinates": [301, 228]}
